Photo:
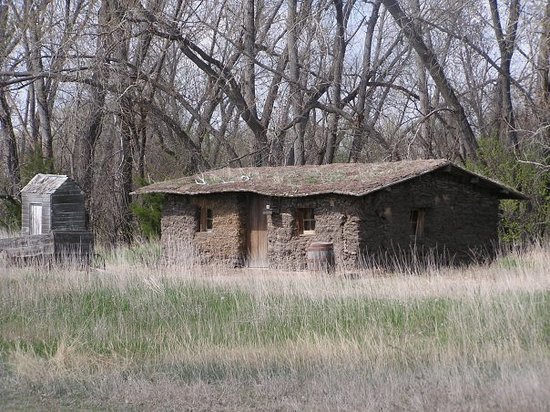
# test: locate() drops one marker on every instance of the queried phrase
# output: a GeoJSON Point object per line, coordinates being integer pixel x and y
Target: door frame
{"type": "Point", "coordinates": [256, 217]}
{"type": "Point", "coordinates": [32, 220]}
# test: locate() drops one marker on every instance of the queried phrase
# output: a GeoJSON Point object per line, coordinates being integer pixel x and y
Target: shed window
{"type": "Point", "coordinates": [206, 219]}
{"type": "Point", "coordinates": [306, 221]}
{"type": "Point", "coordinates": [418, 221]}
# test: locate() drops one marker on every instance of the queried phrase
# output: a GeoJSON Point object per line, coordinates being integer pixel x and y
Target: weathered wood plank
{"type": "Point", "coordinates": [31, 251]}
{"type": "Point", "coordinates": [77, 207]}
{"type": "Point", "coordinates": [69, 188]}
{"type": "Point", "coordinates": [78, 244]}
{"type": "Point", "coordinates": [57, 199]}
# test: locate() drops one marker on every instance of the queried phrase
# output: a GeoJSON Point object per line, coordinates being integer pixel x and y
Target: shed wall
{"type": "Point", "coordinates": [67, 208]}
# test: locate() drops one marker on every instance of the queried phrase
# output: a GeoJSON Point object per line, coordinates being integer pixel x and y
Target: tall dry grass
{"type": "Point", "coordinates": [4, 233]}
{"type": "Point", "coordinates": [149, 333]}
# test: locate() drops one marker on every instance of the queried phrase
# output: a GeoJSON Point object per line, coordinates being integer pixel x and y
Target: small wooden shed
{"type": "Point", "coordinates": [53, 221]}
{"type": "Point", "coordinates": [52, 203]}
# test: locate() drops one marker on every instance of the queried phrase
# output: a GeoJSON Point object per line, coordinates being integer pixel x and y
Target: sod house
{"type": "Point", "coordinates": [269, 216]}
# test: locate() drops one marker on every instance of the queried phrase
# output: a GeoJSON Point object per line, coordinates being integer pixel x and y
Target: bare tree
{"type": "Point", "coordinates": [506, 44]}
{"type": "Point", "coordinates": [429, 59]}
{"type": "Point", "coordinates": [342, 11]}
{"type": "Point", "coordinates": [94, 107]}
{"type": "Point", "coordinates": [367, 111]}
{"type": "Point", "coordinates": [113, 89]}
{"type": "Point", "coordinates": [6, 126]}
{"type": "Point", "coordinates": [543, 68]}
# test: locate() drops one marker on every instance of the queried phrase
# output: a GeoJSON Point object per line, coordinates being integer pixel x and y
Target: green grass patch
{"type": "Point", "coordinates": [144, 321]}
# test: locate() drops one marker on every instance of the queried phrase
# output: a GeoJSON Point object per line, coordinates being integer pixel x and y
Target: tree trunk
{"type": "Point", "coordinates": [40, 92]}
{"type": "Point", "coordinates": [120, 32]}
{"type": "Point", "coordinates": [6, 125]}
{"type": "Point", "coordinates": [296, 98]}
{"type": "Point", "coordinates": [249, 81]}
{"type": "Point", "coordinates": [359, 133]}
{"type": "Point", "coordinates": [424, 129]}
{"type": "Point", "coordinates": [506, 45]}
{"type": "Point", "coordinates": [92, 122]}
{"type": "Point", "coordinates": [337, 70]}
{"type": "Point", "coordinates": [543, 68]}
{"type": "Point", "coordinates": [12, 160]}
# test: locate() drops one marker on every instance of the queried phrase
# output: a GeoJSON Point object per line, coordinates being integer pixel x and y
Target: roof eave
{"type": "Point", "coordinates": [500, 190]}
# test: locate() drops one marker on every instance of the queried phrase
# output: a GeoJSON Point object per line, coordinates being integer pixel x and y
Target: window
{"type": "Point", "coordinates": [306, 221]}
{"type": "Point", "coordinates": [417, 220]}
{"type": "Point", "coordinates": [206, 219]}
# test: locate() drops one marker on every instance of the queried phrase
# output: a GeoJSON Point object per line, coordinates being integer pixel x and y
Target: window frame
{"type": "Point", "coordinates": [306, 219]}
{"type": "Point", "coordinates": [206, 219]}
{"type": "Point", "coordinates": [418, 223]}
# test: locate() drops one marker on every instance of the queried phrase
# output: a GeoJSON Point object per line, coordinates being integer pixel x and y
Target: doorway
{"type": "Point", "coordinates": [257, 232]}
{"type": "Point", "coordinates": [35, 224]}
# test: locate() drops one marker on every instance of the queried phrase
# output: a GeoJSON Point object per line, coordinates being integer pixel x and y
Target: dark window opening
{"type": "Point", "coordinates": [306, 221]}
{"type": "Point", "coordinates": [418, 221]}
{"type": "Point", "coordinates": [206, 219]}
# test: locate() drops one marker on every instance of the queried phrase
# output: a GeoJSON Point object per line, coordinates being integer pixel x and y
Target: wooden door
{"type": "Point", "coordinates": [35, 214]}
{"type": "Point", "coordinates": [257, 232]}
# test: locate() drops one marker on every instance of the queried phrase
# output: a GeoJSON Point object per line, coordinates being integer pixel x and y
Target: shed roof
{"type": "Point", "coordinates": [354, 179]}
{"type": "Point", "coordinates": [45, 184]}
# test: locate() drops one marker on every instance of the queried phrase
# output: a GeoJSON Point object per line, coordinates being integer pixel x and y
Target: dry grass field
{"type": "Point", "coordinates": [141, 335]}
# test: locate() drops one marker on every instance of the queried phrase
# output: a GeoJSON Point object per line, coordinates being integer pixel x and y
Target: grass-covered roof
{"type": "Point", "coordinates": [354, 179]}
